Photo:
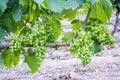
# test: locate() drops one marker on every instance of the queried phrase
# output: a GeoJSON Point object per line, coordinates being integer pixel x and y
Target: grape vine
{"type": "Point", "coordinates": [22, 20]}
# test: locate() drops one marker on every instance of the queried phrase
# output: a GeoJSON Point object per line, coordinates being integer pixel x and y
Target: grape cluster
{"type": "Point", "coordinates": [40, 53]}
{"type": "Point", "coordinates": [38, 38]}
{"type": "Point", "coordinates": [100, 32]}
{"type": "Point", "coordinates": [85, 54]}
{"type": "Point", "coordinates": [16, 45]}
{"type": "Point", "coordinates": [50, 34]}
{"type": "Point", "coordinates": [82, 43]}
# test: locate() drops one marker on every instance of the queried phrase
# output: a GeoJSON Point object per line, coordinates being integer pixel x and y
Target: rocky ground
{"type": "Point", "coordinates": [61, 65]}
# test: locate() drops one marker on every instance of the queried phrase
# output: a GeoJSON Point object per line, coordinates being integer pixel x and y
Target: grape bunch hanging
{"type": "Point", "coordinates": [82, 43]}
{"type": "Point", "coordinates": [100, 32]}
{"type": "Point", "coordinates": [37, 36]}
{"type": "Point", "coordinates": [94, 31]}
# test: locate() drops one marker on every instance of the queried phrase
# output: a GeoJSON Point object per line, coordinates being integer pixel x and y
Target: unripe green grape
{"type": "Point", "coordinates": [100, 32]}
{"type": "Point", "coordinates": [50, 34]}
{"type": "Point", "coordinates": [38, 36]}
{"type": "Point", "coordinates": [82, 43]}
{"type": "Point", "coordinates": [85, 55]}
{"type": "Point", "coordinates": [16, 45]}
{"type": "Point", "coordinates": [40, 52]}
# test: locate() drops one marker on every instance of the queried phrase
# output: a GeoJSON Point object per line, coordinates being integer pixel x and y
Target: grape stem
{"type": "Point", "coordinates": [7, 44]}
{"type": "Point", "coordinates": [87, 17]}
{"type": "Point", "coordinates": [34, 17]}
{"type": "Point", "coordinates": [86, 20]}
{"type": "Point", "coordinates": [21, 31]}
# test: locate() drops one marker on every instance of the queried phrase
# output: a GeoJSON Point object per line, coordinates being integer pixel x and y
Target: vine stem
{"type": "Point", "coordinates": [7, 44]}
{"type": "Point", "coordinates": [21, 31]}
{"type": "Point", "coordinates": [86, 19]}
{"type": "Point", "coordinates": [34, 17]}
{"type": "Point", "coordinates": [88, 16]}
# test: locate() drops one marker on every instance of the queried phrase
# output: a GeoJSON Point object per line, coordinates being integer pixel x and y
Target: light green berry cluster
{"type": "Point", "coordinates": [100, 32]}
{"type": "Point", "coordinates": [38, 36]}
{"type": "Point", "coordinates": [82, 43]}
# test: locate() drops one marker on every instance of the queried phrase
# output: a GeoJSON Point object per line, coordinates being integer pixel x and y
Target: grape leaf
{"type": "Point", "coordinates": [8, 59]}
{"type": "Point", "coordinates": [57, 27]}
{"type": "Point", "coordinates": [83, 9]}
{"type": "Point", "coordinates": [73, 3]}
{"type": "Point", "coordinates": [112, 1]}
{"type": "Point", "coordinates": [92, 1]}
{"type": "Point", "coordinates": [39, 2]}
{"type": "Point", "coordinates": [3, 6]}
{"type": "Point", "coordinates": [56, 5]}
{"type": "Point", "coordinates": [107, 6]}
{"type": "Point", "coordinates": [76, 24]}
{"type": "Point", "coordinates": [1, 62]}
{"type": "Point", "coordinates": [32, 62]}
{"type": "Point", "coordinates": [24, 2]}
{"type": "Point", "coordinates": [17, 25]}
{"type": "Point", "coordinates": [15, 9]}
{"type": "Point", "coordinates": [102, 11]}
{"type": "Point", "coordinates": [17, 14]}
{"type": "Point", "coordinates": [115, 2]}
{"type": "Point", "coordinates": [15, 59]}
{"type": "Point", "coordinates": [59, 5]}
{"type": "Point", "coordinates": [67, 36]}
{"type": "Point", "coordinates": [67, 13]}
{"type": "Point", "coordinates": [5, 23]}
{"type": "Point", "coordinates": [5, 27]}
{"type": "Point", "coordinates": [74, 51]}
{"type": "Point", "coordinates": [2, 34]}
{"type": "Point", "coordinates": [95, 48]}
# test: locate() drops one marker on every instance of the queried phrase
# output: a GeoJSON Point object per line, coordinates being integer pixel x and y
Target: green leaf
{"type": "Point", "coordinates": [17, 25]}
{"type": "Point", "coordinates": [112, 1]}
{"type": "Point", "coordinates": [115, 2]}
{"type": "Point", "coordinates": [32, 62]}
{"type": "Point", "coordinates": [15, 59]}
{"type": "Point", "coordinates": [2, 34]}
{"type": "Point", "coordinates": [92, 1]}
{"type": "Point", "coordinates": [67, 13]}
{"type": "Point", "coordinates": [3, 6]}
{"type": "Point", "coordinates": [76, 24]}
{"type": "Point", "coordinates": [15, 10]}
{"type": "Point", "coordinates": [24, 2]}
{"type": "Point", "coordinates": [5, 23]}
{"type": "Point", "coordinates": [102, 11]}
{"type": "Point", "coordinates": [17, 14]}
{"type": "Point", "coordinates": [107, 6]}
{"type": "Point", "coordinates": [83, 9]}
{"type": "Point", "coordinates": [8, 59]}
{"type": "Point", "coordinates": [73, 3]}
{"type": "Point", "coordinates": [57, 27]}
{"type": "Point", "coordinates": [39, 2]}
{"type": "Point", "coordinates": [1, 62]}
{"type": "Point", "coordinates": [56, 5]}
{"type": "Point", "coordinates": [74, 51]}
{"type": "Point", "coordinates": [95, 48]}
{"type": "Point", "coordinates": [5, 27]}
{"type": "Point", "coordinates": [67, 36]}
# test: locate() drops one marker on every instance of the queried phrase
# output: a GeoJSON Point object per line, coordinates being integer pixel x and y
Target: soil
{"type": "Point", "coordinates": [61, 65]}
